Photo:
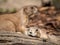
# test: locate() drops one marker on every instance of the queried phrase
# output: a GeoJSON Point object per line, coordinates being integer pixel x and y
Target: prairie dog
{"type": "Point", "coordinates": [17, 20]}
{"type": "Point", "coordinates": [37, 32]}
{"type": "Point", "coordinates": [40, 33]}
{"type": "Point", "coordinates": [13, 22]}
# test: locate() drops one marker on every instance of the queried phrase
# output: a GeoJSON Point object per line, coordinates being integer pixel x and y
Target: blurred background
{"type": "Point", "coordinates": [11, 6]}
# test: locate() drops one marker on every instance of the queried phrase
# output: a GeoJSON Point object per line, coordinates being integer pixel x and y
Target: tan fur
{"type": "Point", "coordinates": [13, 22]}
{"type": "Point", "coordinates": [7, 26]}
{"type": "Point", "coordinates": [45, 33]}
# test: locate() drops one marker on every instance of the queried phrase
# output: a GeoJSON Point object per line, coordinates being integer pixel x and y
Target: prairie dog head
{"type": "Point", "coordinates": [32, 31]}
{"type": "Point", "coordinates": [29, 10]}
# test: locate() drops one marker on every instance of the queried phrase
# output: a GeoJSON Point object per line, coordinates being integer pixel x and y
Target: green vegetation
{"type": "Point", "coordinates": [3, 1]}
{"type": "Point", "coordinates": [56, 3]}
{"type": "Point", "coordinates": [1, 10]}
{"type": "Point", "coordinates": [11, 10]}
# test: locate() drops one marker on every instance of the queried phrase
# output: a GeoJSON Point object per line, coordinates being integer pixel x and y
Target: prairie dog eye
{"type": "Point", "coordinates": [36, 29]}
